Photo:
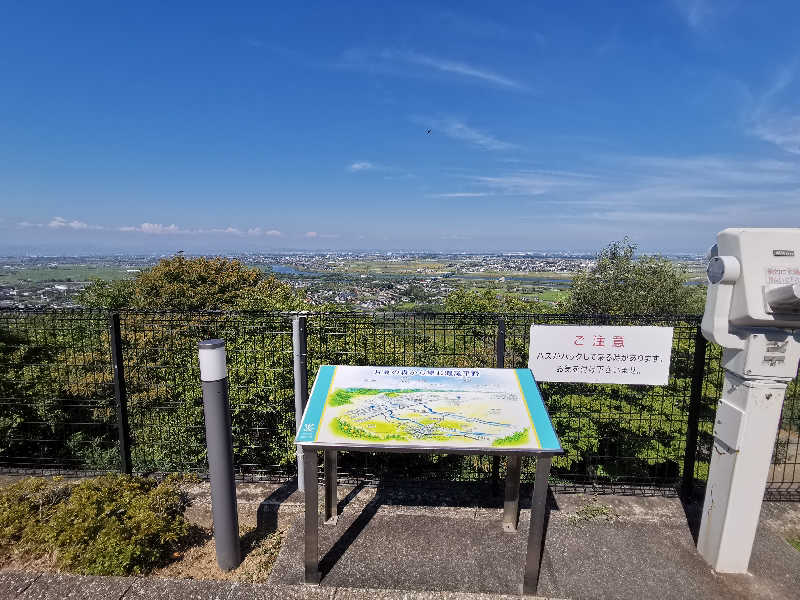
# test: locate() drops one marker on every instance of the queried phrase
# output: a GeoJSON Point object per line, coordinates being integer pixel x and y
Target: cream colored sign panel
{"type": "Point", "coordinates": [601, 354]}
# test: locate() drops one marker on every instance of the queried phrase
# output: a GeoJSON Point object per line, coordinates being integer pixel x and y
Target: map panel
{"type": "Point", "coordinates": [499, 409]}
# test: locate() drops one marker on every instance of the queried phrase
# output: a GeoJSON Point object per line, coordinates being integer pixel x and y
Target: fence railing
{"type": "Point", "coordinates": [87, 391]}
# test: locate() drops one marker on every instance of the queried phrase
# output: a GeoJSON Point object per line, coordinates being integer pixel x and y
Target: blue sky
{"type": "Point", "coordinates": [157, 126]}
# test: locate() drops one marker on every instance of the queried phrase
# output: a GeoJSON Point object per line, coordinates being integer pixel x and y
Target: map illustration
{"type": "Point", "coordinates": [464, 408]}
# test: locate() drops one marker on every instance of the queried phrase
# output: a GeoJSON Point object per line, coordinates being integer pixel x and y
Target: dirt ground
{"type": "Point", "coordinates": [198, 560]}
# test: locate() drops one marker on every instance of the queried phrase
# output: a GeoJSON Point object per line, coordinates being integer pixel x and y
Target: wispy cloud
{"type": "Point", "coordinates": [781, 129]}
{"type": "Point", "coordinates": [638, 189]}
{"type": "Point", "coordinates": [455, 67]}
{"type": "Point", "coordinates": [159, 229]}
{"type": "Point", "coordinates": [59, 223]}
{"type": "Point", "coordinates": [460, 195]}
{"type": "Point", "coordinates": [254, 42]}
{"type": "Point", "coordinates": [458, 130]}
{"type": "Point", "coordinates": [464, 24]}
{"type": "Point", "coordinates": [536, 183]}
{"type": "Point", "coordinates": [695, 12]}
{"type": "Point", "coordinates": [408, 63]}
{"type": "Point", "coordinates": [256, 231]}
{"type": "Point", "coordinates": [776, 116]}
{"type": "Point", "coordinates": [312, 235]}
{"type": "Point", "coordinates": [155, 229]}
{"type": "Point", "coordinates": [362, 165]}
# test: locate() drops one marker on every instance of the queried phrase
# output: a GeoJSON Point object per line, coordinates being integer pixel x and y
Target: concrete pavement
{"type": "Point", "coordinates": [445, 542]}
{"type": "Point", "coordinates": [609, 547]}
{"type": "Point", "coordinates": [47, 586]}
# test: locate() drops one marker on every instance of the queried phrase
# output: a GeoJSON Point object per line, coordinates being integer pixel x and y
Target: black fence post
{"type": "Point", "coordinates": [693, 420]}
{"type": "Point", "coordinates": [500, 346]}
{"type": "Point", "coordinates": [120, 393]}
{"type": "Point", "coordinates": [499, 363]}
{"type": "Point", "coordinates": [300, 362]}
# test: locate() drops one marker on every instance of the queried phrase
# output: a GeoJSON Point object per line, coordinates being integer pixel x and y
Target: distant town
{"type": "Point", "coordinates": [365, 281]}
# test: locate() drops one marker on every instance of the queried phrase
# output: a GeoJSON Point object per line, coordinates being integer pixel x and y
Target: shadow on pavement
{"type": "Point", "coordinates": [350, 535]}
{"type": "Point", "coordinates": [267, 513]}
{"type": "Point", "coordinates": [693, 509]}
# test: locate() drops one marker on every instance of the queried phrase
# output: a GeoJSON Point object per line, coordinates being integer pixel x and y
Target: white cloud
{"type": "Point", "coordinates": [256, 231]}
{"type": "Point", "coordinates": [776, 115]}
{"type": "Point", "coordinates": [158, 228]}
{"type": "Point", "coordinates": [477, 27]}
{"type": "Point", "coordinates": [642, 189]}
{"type": "Point", "coordinates": [459, 195]}
{"type": "Point", "coordinates": [458, 130]}
{"type": "Point", "coordinates": [695, 12]}
{"type": "Point", "coordinates": [224, 230]}
{"type": "Point", "coordinates": [59, 223]}
{"type": "Point", "coordinates": [316, 235]}
{"type": "Point", "coordinates": [535, 183]}
{"type": "Point", "coordinates": [63, 224]}
{"type": "Point", "coordinates": [458, 68]}
{"type": "Point", "coordinates": [410, 63]}
{"type": "Point", "coordinates": [254, 42]}
{"type": "Point", "coordinates": [781, 129]}
{"type": "Point", "coordinates": [360, 166]}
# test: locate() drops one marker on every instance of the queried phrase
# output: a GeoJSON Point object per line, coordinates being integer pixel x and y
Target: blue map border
{"type": "Point", "coordinates": [548, 440]}
{"type": "Point", "coordinates": [316, 402]}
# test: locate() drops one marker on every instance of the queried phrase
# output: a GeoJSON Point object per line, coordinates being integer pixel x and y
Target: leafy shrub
{"type": "Point", "coordinates": [110, 525]}
{"type": "Point", "coordinates": [25, 507]}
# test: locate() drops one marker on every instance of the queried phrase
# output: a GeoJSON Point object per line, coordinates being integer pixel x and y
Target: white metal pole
{"type": "Point", "coordinates": [740, 458]}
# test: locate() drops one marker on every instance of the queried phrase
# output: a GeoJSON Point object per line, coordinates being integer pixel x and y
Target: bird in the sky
{"type": "Point", "coordinates": [428, 131]}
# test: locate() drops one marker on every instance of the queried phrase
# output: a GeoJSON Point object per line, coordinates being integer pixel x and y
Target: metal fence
{"type": "Point", "coordinates": [64, 407]}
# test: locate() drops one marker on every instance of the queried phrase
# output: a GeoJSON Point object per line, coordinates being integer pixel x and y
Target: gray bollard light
{"type": "Point", "coordinates": [219, 440]}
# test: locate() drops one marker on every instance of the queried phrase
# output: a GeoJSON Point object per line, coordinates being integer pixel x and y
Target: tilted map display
{"type": "Point", "coordinates": [413, 407]}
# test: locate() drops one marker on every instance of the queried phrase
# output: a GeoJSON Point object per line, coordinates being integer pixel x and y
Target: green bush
{"type": "Point", "coordinates": [24, 507]}
{"type": "Point", "coordinates": [110, 525]}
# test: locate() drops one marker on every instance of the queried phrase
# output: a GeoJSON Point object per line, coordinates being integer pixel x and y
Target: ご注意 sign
{"type": "Point", "coordinates": [601, 354]}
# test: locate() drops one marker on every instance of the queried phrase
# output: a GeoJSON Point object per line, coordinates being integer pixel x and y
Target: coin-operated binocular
{"type": "Point", "coordinates": [753, 312]}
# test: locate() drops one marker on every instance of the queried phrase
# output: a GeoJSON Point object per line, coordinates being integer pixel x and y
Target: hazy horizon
{"type": "Point", "coordinates": [43, 251]}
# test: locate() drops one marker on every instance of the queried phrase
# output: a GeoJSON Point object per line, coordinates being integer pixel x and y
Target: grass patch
{"type": "Point", "coordinates": [62, 274]}
{"type": "Point", "coordinates": [517, 438]}
{"type": "Point", "coordinates": [345, 429]}
{"type": "Point", "coordinates": [795, 542]}
{"type": "Point", "coordinates": [594, 510]}
{"type": "Point", "coordinates": [110, 525]}
{"type": "Point", "coordinates": [343, 396]}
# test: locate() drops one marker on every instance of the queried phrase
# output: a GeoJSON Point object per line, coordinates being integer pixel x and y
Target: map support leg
{"type": "Point", "coordinates": [311, 532]}
{"type": "Point", "coordinates": [331, 496]}
{"type": "Point", "coordinates": [511, 503]}
{"type": "Point", "coordinates": [533, 556]}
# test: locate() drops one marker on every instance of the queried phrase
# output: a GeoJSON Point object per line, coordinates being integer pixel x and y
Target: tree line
{"type": "Point", "coordinates": [56, 382]}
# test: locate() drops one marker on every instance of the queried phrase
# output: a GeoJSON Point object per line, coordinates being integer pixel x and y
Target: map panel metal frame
{"type": "Point", "coordinates": [514, 456]}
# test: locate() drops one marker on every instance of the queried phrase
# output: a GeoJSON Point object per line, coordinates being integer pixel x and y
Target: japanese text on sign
{"type": "Point", "coordinates": [412, 372]}
{"type": "Point", "coordinates": [602, 354]}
